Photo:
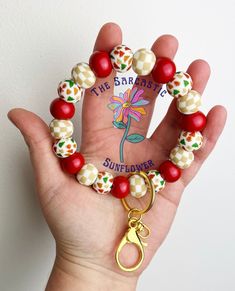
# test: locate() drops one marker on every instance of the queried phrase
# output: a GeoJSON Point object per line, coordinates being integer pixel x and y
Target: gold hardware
{"type": "Point", "coordinates": [151, 189]}
{"type": "Point", "coordinates": [133, 235]}
{"type": "Point", "coordinates": [137, 230]}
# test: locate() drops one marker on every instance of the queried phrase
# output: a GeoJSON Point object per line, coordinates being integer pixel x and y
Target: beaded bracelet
{"type": "Point", "coordinates": [178, 84]}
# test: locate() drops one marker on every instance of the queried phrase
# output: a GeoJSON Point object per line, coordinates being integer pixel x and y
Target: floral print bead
{"type": "Point", "coordinates": [190, 141]}
{"type": "Point", "coordinates": [103, 183]}
{"type": "Point", "coordinates": [69, 91]}
{"type": "Point", "coordinates": [157, 180]}
{"type": "Point", "coordinates": [121, 57]}
{"type": "Point", "coordinates": [65, 147]}
{"type": "Point", "coordinates": [180, 85]}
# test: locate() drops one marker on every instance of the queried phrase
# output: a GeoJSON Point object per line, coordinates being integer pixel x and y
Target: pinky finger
{"type": "Point", "coordinates": [216, 119]}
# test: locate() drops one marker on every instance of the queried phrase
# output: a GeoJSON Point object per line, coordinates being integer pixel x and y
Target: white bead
{"type": "Point", "coordinates": [83, 75]}
{"type": "Point", "coordinates": [61, 128]}
{"type": "Point", "coordinates": [138, 187]}
{"type": "Point", "coordinates": [181, 158]}
{"type": "Point", "coordinates": [69, 91]}
{"type": "Point", "coordinates": [180, 85]}
{"type": "Point", "coordinates": [87, 175]}
{"type": "Point", "coordinates": [157, 180]}
{"type": "Point", "coordinates": [65, 147]}
{"type": "Point", "coordinates": [190, 141]}
{"type": "Point", "coordinates": [189, 103]}
{"type": "Point", "coordinates": [103, 183]}
{"type": "Point", "coordinates": [143, 62]}
{"type": "Point", "coordinates": [121, 57]}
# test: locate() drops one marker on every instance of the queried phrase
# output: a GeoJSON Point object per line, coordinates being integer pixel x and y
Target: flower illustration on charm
{"type": "Point", "coordinates": [126, 106]}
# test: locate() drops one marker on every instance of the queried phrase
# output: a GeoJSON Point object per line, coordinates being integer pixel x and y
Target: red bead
{"type": "Point", "coordinates": [101, 64]}
{"type": "Point", "coordinates": [73, 163]}
{"type": "Point", "coordinates": [164, 70]}
{"type": "Point", "coordinates": [121, 187]}
{"type": "Point", "coordinates": [169, 171]}
{"type": "Point", "coordinates": [62, 110]}
{"type": "Point", "coordinates": [193, 122]}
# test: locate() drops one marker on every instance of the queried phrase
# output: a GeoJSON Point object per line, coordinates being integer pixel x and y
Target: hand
{"type": "Point", "coordinates": [87, 227]}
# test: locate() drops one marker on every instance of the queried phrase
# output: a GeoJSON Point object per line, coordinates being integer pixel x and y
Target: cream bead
{"type": "Point", "coordinates": [181, 158]}
{"type": "Point", "coordinates": [180, 85]}
{"type": "Point", "coordinates": [189, 103]}
{"type": "Point", "coordinates": [157, 180]}
{"type": "Point", "coordinates": [87, 175]}
{"type": "Point", "coordinates": [61, 128]}
{"type": "Point", "coordinates": [138, 187]}
{"type": "Point", "coordinates": [83, 75]}
{"type": "Point", "coordinates": [190, 141]}
{"type": "Point", "coordinates": [65, 147]}
{"type": "Point", "coordinates": [143, 62]}
{"type": "Point", "coordinates": [103, 183]}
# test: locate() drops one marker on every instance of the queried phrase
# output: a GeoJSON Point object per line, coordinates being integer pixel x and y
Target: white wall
{"type": "Point", "coordinates": [40, 41]}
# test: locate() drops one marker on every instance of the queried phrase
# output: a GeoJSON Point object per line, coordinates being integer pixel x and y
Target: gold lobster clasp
{"type": "Point", "coordinates": [133, 235]}
{"type": "Point", "coordinates": [136, 230]}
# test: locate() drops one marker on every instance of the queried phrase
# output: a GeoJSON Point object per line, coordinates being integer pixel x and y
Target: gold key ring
{"type": "Point", "coordinates": [151, 189]}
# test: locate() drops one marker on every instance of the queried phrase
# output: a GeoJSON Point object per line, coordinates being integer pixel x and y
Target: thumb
{"type": "Point", "coordinates": [38, 138]}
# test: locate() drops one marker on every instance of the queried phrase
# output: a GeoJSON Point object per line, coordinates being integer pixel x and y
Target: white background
{"type": "Point", "coordinates": [40, 42]}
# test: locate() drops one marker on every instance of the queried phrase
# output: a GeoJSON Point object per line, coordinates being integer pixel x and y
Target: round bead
{"type": "Point", "coordinates": [143, 62]}
{"type": "Point", "coordinates": [103, 183]}
{"type": "Point", "coordinates": [163, 71]}
{"type": "Point", "coordinates": [180, 85]}
{"type": "Point", "coordinates": [69, 91]}
{"type": "Point", "coordinates": [190, 102]}
{"type": "Point", "coordinates": [169, 171]}
{"type": "Point", "coordinates": [181, 158]}
{"type": "Point", "coordinates": [190, 141]}
{"type": "Point", "coordinates": [73, 163]}
{"type": "Point", "coordinates": [156, 179]}
{"type": "Point", "coordinates": [87, 175]}
{"type": "Point", "coordinates": [138, 187]}
{"type": "Point", "coordinates": [83, 75]}
{"type": "Point", "coordinates": [101, 64]}
{"type": "Point", "coordinates": [62, 110]}
{"type": "Point", "coordinates": [121, 187]}
{"type": "Point", "coordinates": [65, 147]}
{"type": "Point", "coordinates": [193, 122]}
{"type": "Point", "coordinates": [61, 128]}
{"type": "Point", "coordinates": [121, 57]}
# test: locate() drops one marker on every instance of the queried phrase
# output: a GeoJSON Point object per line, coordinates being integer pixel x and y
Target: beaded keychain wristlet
{"type": "Point", "coordinates": [179, 85]}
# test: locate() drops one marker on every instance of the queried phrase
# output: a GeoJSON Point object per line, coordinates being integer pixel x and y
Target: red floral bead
{"type": "Point", "coordinates": [164, 70]}
{"type": "Point", "coordinates": [62, 110]}
{"type": "Point", "coordinates": [193, 122]}
{"type": "Point", "coordinates": [121, 187]}
{"type": "Point", "coordinates": [169, 171]}
{"type": "Point", "coordinates": [73, 163]}
{"type": "Point", "coordinates": [101, 64]}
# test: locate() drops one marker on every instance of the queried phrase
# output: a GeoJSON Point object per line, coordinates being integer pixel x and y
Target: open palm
{"type": "Point", "coordinates": [88, 227]}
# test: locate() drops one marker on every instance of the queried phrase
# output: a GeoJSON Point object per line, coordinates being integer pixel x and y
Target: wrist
{"type": "Point", "coordinates": [71, 276]}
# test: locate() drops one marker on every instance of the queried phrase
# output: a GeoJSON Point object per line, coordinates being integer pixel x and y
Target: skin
{"type": "Point", "coordinates": [87, 227]}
